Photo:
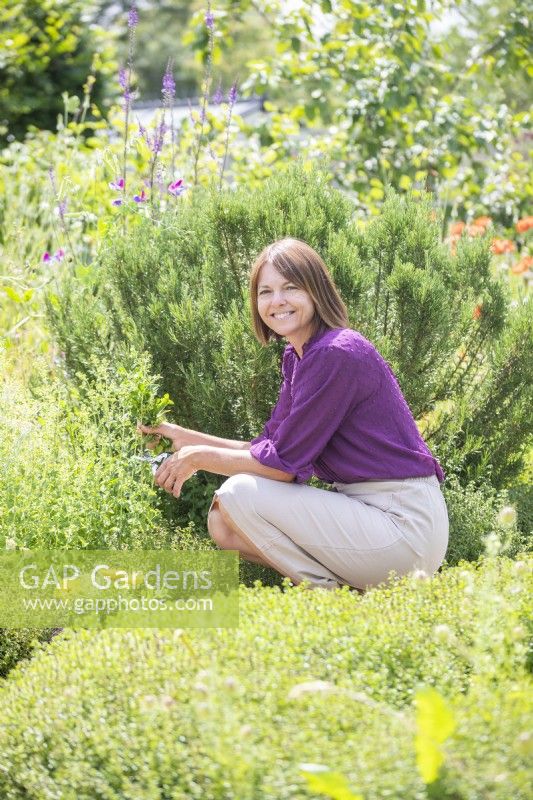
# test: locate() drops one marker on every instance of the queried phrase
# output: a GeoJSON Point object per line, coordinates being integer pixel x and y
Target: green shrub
{"type": "Point", "coordinates": [473, 514]}
{"type": "Point", "coordinates": [521, 496]}
{"type": "Point", "coordinates": [323, 678]}
{"type": "Point", "coordinates": [18, 644]}
{"type": "Point", "coordinates": [178, 291]}
{"type": "Point", "coordinates": [68, 478]}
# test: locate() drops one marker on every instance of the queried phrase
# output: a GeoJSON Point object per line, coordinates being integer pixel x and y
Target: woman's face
{"type": "Point", "coordinates": [287, 310]}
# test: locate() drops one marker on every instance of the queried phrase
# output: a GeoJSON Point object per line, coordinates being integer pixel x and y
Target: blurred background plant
{"type": "Point", "coordinates": [49, 48]}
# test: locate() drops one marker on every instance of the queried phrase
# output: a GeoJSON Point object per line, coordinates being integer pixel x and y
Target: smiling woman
{"type": "Point", "coordinates": [341, 416]}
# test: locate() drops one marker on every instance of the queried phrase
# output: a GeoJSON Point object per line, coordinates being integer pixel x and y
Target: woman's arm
{"type": "Point", "coordinates": [189, 437]}
{"type": "Point", "coordinates": [183, 437]}
{"type": "Point", "coordinates": [179, 467]}
{"type": "Point", "coordinates": [223, 461]}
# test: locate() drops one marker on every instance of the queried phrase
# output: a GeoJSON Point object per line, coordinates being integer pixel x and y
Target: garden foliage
{"type": "Point", "coordinates": [178, 290]}
{"type": "Point", "coordinates": [48, 48]}
{"type": "Point", "coordinates": [17, 644]}
{"type": "Point", "coordinates": [68, 478]}
{"type": "Point", "coordinates": [373, 89]}
{"type": "Point", "coordinates": [420, 690]}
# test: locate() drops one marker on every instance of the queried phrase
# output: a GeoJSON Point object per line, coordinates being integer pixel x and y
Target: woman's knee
{"type": "Point", "coordinates": [241, 486]}
{"type": "Point", "coordinates": [218, 530]}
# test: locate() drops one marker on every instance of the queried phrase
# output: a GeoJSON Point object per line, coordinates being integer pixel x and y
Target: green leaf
{"type": "Point", "coordinates": [435, 723]}
{"type": "Point", "coordinates": [11, 293]}
{"type": "Point", "coordinates": [331, 784]}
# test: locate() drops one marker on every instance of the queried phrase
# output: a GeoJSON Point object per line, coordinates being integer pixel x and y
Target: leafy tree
{"type": "Point", "coordinates": [176, 29]}
{"type": "Point", "coordinates": [47, 48]}
{"type": "Point", "coordinates": [494, 42]}
{"type": "Point", "coordinates": [369, 88]}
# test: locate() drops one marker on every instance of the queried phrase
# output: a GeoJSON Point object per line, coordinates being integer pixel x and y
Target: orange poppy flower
{"type": "Point", "coordinates": [483, 222]}
{"type": "Point", "coordinates": [453, 239]}
{"type": "Point", "coordinates": [477, 311]}
{"type": "Point", "coordinates": [501, 246]}
{"type": "Point", "coordinates": [524, 224]}
{"type": "Point", "coordinates": [475, 230]}
{"type": "Point", "coordinates": [456, 228]}
{"type": "Point", "coordinates": [523, 265]}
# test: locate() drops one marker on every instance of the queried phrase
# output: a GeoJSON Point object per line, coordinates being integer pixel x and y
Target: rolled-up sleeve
{"type": "Point", "coordinates": [325, 389]}
{"type": "Point", "coordinates": [283, 404]}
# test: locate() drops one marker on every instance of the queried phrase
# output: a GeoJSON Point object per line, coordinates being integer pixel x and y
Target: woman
{"type": "Point", "coordinates": [340, 415]}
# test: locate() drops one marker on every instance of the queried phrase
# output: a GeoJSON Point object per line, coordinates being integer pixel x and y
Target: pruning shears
{"type": "Point", "coordinates": [154, 461]}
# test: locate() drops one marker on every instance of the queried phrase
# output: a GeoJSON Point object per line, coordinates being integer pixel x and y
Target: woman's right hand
{"type": "Point", "coordinates": [167, 430]}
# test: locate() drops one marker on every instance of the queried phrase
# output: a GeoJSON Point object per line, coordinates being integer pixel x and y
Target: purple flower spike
{"type": "Point", "coordinates": [232, 96]}
{"type": "Point", "coordinates": [176, 187]}
{"type": "Point", "coordinates": [62, 207]}
{"type": "Point", "coordinates": [123, 79]}
{"type": "Point", "coordinates": [52, 176]}
{"type": "Point", "coordinates": [117, 201]}
{"type": "Point", "coordinates": [140, 198]}
{"type": "Point", "coordinates": [133, 17]}
{"type": "Point", "coordinates": [209, 19]}
{"type": "Point", "coordinates": [218, 96]}
{"type": "Point", "coordinates": [169, 86]}
{"type": "Point", "coordinates": [47, 257]}
{"type": "Point", "coordinates": [117, 185]}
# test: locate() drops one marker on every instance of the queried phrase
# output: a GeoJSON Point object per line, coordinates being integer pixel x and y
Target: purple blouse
{"type": "Point", "coordinates": [341, 416]}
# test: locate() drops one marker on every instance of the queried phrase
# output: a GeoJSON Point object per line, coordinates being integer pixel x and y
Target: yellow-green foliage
{"type": "Point", "coordinates": [311, 683]}
{"type": "Point", "coordinates": [68, 478]}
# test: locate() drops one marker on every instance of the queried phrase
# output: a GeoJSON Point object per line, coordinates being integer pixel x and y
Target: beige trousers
{"type": "Point", "coordinates": [355, 535]}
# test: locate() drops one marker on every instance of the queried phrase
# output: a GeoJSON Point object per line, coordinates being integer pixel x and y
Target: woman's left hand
{"type": "Point", "coordinates": [175, 470]}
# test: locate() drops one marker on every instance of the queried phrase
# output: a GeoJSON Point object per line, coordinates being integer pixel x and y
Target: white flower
{"type": "Point", "coordinates": [507, 516]}
{"type": "Point", "coordinates": [443, 633]}
{"type": "Point", "coordinates": [313, 767]}
{"type": "Point", "coordinates": [309, 687]}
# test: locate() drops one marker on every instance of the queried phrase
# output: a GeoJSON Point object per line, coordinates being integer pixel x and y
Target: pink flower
{"type": "Point", "coordinates": [140, 198]}
{"type": "Point", "coordinates": [117, 185]}
{"type": "Point", "coordinates": [176, 187]}
{"type": "Point", "coordinates": [58, 256]}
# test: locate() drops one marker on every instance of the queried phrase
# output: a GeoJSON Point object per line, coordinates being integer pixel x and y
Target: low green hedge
{"type": "Point", "coordinates": [18, 644]}
{"type": "Point", "coordinates": [418, 690]}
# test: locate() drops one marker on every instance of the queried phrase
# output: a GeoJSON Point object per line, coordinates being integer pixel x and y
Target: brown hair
{"type": "Point", "coordinates": [302, 265]}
